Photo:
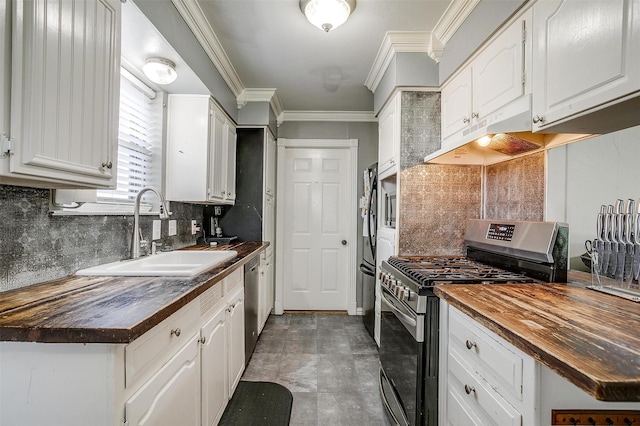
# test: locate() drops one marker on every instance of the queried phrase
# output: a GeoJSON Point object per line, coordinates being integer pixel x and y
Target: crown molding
{"type": "Point", "coordinates": [453, 18]}
{"type": "Point", "coordinates": [194, 17]}
{"type": "Point", "coordinates": [261, 95]}
{"type": "Point", "coordinates": [395, 42]}
{"type": "Point", "coordinates": [343, 116]}
{"type": "Point", "coordinates": [430, 42]}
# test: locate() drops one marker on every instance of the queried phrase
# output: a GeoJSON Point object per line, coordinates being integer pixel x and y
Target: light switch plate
{"type": "Point", "coordinates": [155, 235]}
{"type": "Point", "coordinates": [173, 227]}
{"type": "Point", "coordinates": [194, 227]}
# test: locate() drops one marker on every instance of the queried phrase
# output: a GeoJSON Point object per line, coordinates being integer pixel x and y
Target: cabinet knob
{"type": "Point", "coordinates": [222, 193]}
{"type": "Point", "coordinates": [471, 344]}
{"type": "Point", "coordinates": [474, 115]}
{"type": "Point", "coordinates": [538, 119]}
{"type": "Point", "coordinates": [202, 340]}
{"type": "Point", "coordinates": [466, 120]}
{"type": "Point", "coordinates": [468, 389]}
{"type": "Point", "coordinates": [344, 242]}
{"type": "Point", "coordinates": [107, 165]}
{"type": "Point", "coordinates": [176, 332]}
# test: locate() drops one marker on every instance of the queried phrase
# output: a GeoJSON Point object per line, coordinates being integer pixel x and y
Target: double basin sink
{"type": "Point", "coordinates": [181, 263]}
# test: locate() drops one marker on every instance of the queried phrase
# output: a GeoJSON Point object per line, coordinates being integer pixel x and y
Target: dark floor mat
{"type": "Point", "coordinates": [259, 404]}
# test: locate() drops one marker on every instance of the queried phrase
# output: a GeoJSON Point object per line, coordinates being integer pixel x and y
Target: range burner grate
{"type": "Point", "coordinates": [430, 271]}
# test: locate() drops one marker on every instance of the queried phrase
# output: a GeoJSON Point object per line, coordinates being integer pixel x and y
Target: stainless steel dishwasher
{"type": "Point", "coordinates": [251, 300]}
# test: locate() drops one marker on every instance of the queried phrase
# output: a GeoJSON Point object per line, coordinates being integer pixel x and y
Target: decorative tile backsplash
{"type": "Point", "coordinates": [420, 127]}
{"type": "Point", "coordinates": [435, 202]}
{"type": "Point", "coordinates": [515, 189]}
{"type": "Point", "coordinates": [36, 247]}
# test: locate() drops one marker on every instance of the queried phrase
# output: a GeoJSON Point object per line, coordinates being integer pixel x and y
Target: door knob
{"type": "Point", "coordinates": [344, 242]}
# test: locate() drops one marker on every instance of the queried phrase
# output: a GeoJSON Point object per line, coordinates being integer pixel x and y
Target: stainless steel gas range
{"type": "Point", "coordinates": [497, 251]}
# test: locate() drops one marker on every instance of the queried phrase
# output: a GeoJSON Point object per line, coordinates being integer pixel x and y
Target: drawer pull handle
{"type": "Point", "coordinates": [471, 344]}
{"type": "Point", "coordinates": [202, 340]}
{"type": "Point", "coordinates": [468, 389]}
{"type": "Point", "coordinates": [176, 332]}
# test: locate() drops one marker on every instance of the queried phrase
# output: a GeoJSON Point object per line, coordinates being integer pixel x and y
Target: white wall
{"type": "Point", "coordinates": [584, 175]}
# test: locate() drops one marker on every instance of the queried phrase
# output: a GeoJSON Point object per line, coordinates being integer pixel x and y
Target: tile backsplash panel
{"type": "Point", "coordinates": [36, 247]}
{"type": "Point", "coordinates": [435, 203]}
{"type": "Point", "coordinates": [515, 189]}
{"type": "Point", "coordinates": [420, 127]}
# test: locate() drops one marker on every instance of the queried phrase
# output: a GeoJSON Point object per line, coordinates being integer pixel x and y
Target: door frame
{"type": "Point", "coordinates": [352, 146]}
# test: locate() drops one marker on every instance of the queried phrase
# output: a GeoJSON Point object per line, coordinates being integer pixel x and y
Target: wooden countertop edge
{"type": "Point", "coordinates": [599, 389]}
{"type": "Point", "coordinates": [124, 335]}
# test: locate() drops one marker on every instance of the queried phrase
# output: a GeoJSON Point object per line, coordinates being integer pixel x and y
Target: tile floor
{"type": "Point", "coordinates": [328, 362]}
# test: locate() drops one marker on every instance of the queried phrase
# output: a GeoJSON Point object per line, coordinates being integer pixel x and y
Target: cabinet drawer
{"type": "Point", "coordinates": [496, 363]}
{"type": "Point", "coordinates": [233, 281]}
{"type": "Point", "coordinates": [148, 352]}
{"type": "Point", "coordinates": [480, 402]}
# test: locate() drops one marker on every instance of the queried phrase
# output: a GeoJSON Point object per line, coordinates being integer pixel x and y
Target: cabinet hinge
{"type": "Point", "coordinates": [524, 51]}
{"type": "Point", "coordinates": [6, 145]}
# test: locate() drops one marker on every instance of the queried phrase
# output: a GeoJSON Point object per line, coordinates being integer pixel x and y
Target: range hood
{"type": "Point", "coordinates": [506, 134]}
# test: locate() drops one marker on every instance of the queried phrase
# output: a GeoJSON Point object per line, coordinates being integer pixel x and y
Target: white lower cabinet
{"type": "Point", "coordinates": [181, 372]}
{"type": "Point", "coordinates": [235, 335]}
{"type": "Point", "coordinates": [172, 395]}
{"type": "Point", "coordinates": [215, 388]}
{"type": "Point", "coordinates": [266, 287]}
{"type": "Point", "coordinates": [194, 386]}
{"type": "Point", "coordinates": [484, 379]}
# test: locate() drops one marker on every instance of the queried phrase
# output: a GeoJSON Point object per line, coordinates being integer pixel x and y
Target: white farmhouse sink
{"type": "Point", "coordinates": [175, 263]}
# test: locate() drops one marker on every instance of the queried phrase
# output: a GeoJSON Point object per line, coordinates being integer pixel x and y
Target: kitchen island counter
{"type": "Point", "coordinates": [106, 309]}
{"type": "Point", "coordinates": [589, 338]}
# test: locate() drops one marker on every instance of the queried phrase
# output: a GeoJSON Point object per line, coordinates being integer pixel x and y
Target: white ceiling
{"type": "Point", "coordinates": [271, 45]}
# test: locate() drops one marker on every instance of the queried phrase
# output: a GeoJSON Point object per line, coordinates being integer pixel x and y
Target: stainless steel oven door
{"type": "Point", "coordinates": [402, 360]}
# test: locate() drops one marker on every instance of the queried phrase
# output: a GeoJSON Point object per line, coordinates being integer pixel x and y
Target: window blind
{"type": "Point", "coordinates": [139, 141]}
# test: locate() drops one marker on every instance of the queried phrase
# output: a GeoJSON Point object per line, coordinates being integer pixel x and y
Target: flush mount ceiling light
{"type": "Point", "coordinates": [484, 141]}
{"type": "Point", "coordinates": [327, 14]}
{"type": "Point", "coordinates": [160, 70]}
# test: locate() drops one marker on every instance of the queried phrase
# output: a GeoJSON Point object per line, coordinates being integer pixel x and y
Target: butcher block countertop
{"type": "Point", "coordinates": [590, 338]}
{"type": "Point", "coordinates": [105, 309]}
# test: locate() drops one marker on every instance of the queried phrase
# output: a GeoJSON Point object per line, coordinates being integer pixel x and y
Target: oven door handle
{"type": "Point", "coordinates": [401, 315]}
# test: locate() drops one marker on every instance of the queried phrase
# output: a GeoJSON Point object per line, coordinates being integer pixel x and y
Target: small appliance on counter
{"type": "Point", "coordinates": [497, 252]}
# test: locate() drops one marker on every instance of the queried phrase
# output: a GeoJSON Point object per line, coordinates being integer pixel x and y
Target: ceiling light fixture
{"type": "Point", "coordinates": [327, 14]}
{"type": "Point", "coordinates": [160, 70]}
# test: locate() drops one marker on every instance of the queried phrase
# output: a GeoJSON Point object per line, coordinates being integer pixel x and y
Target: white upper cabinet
{"type": "Point", "coordinates": [201, 151]}
{"type": "Point", "coordinates": [389, 137]}
{"type": "Point", "coordinates": [493, 79]}
{"type": "Point", "coordinates": [586, 54]}
{"type": "Point", "coordinates": [64, 79]}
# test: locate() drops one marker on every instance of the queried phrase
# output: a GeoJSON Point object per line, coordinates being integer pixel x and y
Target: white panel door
{"type": "Point", "coordinates": [316, 237]}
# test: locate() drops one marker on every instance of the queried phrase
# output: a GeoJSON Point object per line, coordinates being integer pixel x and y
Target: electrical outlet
{"type": "Point", "coordinates": [194, 227]}
{"type": "Point", "coordinates": [173, 227]}
{"type": "Point", "coordinates": [155, 234]}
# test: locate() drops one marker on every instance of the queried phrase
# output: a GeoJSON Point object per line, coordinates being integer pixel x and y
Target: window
{"type": "Point", "coordinates": [139, 141]}
{"type": "Point", "coordinates": [139, 156]}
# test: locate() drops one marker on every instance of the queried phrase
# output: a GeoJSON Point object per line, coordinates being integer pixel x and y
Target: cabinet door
{"type": "Point", "coordinates": [235, 336]}
{"type": "Point", "coordinates": [456, 103]}
{"type": "Point", "coordinates": [215, 388]}
{"type": "Point", "coordinates": [498, 72]}
{"type": "Point", "coordinates": [270, 164]}
{"type": "Point", "coordinates": [268, 285]}
{"type": "Point", "coordinates": [389, 135]}
{"type": "Point", "coordinates": [269, 219]}
{"type": "Point", "coordinates": [230, 163]}
{"type": "Point", "coordinates": [189, 136]}
{"type": "Point", "coordinates": [172, 395]}
{"type": "Point", "coordinates": [585, 54]}
{"type": "Point", "coordinates": [217, 157]}
{"type": "Point", "coordinates": [65, 91]}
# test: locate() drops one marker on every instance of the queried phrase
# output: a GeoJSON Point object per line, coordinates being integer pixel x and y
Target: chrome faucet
{"type": "Point", "coordinates": [164, 214]}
